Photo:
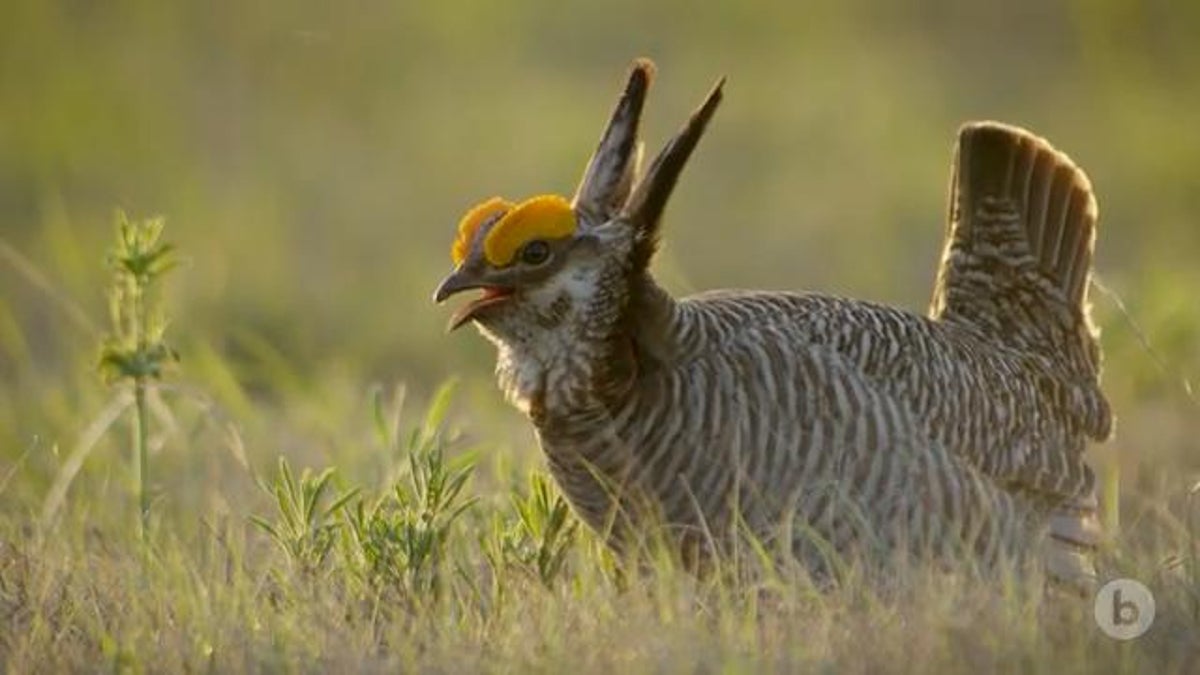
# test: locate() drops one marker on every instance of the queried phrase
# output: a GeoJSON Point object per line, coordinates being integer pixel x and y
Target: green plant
{"type": "Point", "coordinates": [539, 536]}
{"type": "Point", "coordinates": [399, 540]}
{"type": "Point", "coordinates": [135, 351]}
{"type": "Point", "coordinates": [304, 528]}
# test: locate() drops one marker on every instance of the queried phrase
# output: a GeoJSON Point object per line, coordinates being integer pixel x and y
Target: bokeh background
{"type": "Point", "coordinates": [312, 158]}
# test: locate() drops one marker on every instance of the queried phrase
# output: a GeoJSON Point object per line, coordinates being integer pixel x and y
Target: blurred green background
{"type": "Point", "coordinates": [312, 159]}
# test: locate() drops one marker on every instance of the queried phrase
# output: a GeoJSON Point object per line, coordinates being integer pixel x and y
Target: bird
{"type": "Point", "coordinates": [827, 428]}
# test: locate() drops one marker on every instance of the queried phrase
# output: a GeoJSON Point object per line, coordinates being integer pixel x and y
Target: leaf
{"type": "Point", "coordinates": [381, 426]}
{"type": "Point", "coordinates": [265, 526]}
{"type": "Point", "coordinates": [341, 501]}
{"type": "Point", "coordinates": [313, 490]}
{"type": "Point", "coordinates": [438, 407]}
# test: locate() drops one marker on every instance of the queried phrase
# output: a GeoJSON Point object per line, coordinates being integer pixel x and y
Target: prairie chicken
{"type": "Point", "coordinates": [812, 422]}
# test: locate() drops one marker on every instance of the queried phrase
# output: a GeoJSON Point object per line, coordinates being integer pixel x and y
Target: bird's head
{"type": "Point", "coordinates": [550, 262]}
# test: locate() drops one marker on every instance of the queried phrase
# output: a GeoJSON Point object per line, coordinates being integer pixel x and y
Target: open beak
{"type": "Point", "coordinates": [460, 281]}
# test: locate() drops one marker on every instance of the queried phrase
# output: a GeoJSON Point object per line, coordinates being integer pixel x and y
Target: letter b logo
{"type": "Point", "coordinates": [1124, 609]}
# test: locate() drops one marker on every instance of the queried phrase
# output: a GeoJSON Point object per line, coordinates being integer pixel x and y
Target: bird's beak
{"type": "Point", "coordinates": [460, 280]}
{"type": "Point", "coordinates": [456, 282]}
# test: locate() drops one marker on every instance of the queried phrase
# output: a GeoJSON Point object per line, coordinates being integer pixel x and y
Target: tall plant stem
{"type": "Point", "coordinates": [140, 442]}
{"type": "Point", "coordinates": [141, 431]}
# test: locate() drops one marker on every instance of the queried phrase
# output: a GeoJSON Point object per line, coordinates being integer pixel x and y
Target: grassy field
{"type": "Point", "coordinates": [315, 499]}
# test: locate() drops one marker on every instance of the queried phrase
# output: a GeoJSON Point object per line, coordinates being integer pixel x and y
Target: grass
{"type": "Point", "coordinates": [91, 602]}
{"type": "Point", "coordinates": [421, 571]}
{"type": "Point", "coordinates": [303, 512]}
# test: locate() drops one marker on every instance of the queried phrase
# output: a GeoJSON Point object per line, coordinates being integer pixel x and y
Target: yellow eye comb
{"type": "Point", "coordinates": [469, 225]}
{"type": "Point", "coordinates": [541, 217]}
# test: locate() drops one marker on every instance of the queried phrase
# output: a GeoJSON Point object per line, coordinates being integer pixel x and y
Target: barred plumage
{"type": "Point", "coordinates": [807, 420]}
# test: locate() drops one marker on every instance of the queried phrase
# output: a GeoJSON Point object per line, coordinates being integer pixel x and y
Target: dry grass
{"type": "Point", "coordinates": [92, 602]}
{"type": "Point", "coordinates": [440, 582]}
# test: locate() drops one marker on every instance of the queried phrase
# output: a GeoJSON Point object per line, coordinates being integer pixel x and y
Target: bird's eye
{"type": "Point", "coordinates": [535, 252]}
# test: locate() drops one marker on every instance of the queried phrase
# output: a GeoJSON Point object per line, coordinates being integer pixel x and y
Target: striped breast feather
{"type": "Point", "coordinates": [800, 432]}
